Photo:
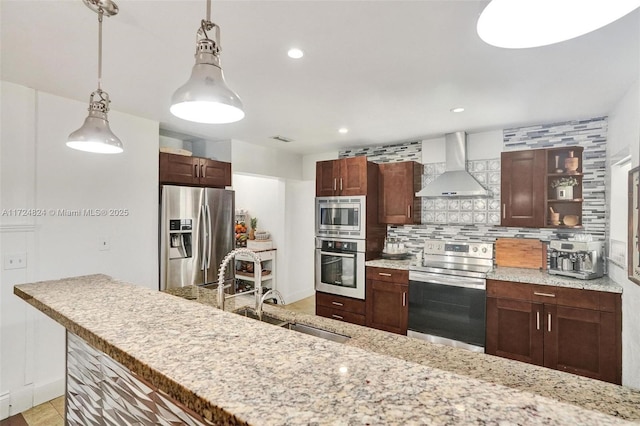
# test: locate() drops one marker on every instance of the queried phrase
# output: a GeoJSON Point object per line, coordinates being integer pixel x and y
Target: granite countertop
{"type": "Point", "coordinates": [262, 374]}
{"type": "Point", "coordinates": [523, 275]}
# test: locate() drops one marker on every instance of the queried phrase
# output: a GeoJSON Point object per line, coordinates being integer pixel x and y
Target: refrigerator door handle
{"type": "Point", "coordinates": [209, 238]}
{"type": "Point", "coordinates": [203, 238]}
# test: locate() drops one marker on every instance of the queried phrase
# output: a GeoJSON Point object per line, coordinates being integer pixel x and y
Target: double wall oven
{"type": "Point", "coordinates": [340, 246]}
{"type": "Point", "coordinates": [447, 293]}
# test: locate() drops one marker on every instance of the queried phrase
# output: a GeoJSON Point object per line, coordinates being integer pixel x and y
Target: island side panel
{"type": "Point", "coordinates": [100, 389]}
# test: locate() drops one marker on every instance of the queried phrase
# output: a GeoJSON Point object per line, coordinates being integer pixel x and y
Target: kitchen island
{"type": "Point", "coordinates": [221, 368]}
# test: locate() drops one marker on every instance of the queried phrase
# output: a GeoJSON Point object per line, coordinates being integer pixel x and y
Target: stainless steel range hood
{"type": "Point", "coordinates": [455, 181]}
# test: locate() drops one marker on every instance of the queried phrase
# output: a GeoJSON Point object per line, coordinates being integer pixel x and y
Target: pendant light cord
{"type": "Point", "coordinates": [208, 10]}
{"type": "Point", "coordinates": [100, 14]}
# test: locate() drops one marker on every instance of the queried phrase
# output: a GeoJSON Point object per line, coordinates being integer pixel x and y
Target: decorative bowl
{"type": "Point", "coordinates": [571, 220]}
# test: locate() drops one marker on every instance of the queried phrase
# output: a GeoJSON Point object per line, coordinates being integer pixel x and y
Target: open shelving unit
{"type": "Point", "coordinates": [245, 279]}
{"type": "Point", "coordinates": [557, 169]}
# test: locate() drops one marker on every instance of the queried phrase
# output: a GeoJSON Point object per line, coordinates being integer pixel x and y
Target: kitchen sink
{"type": "Point", "coordinates": [301, 328]}
{"type": "Point", "coordinates": [250, 313]}
{"type": "Point", "coordinates": [318, 332]}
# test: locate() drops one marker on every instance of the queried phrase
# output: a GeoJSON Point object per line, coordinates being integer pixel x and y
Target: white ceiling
{"type": "Point", "coordinates": [390, 71]}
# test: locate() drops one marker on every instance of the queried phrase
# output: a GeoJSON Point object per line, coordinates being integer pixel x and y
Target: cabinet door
{"type": "Point", "coordinates": [327, 178]}
{"type": "Point", "coordinates": [514, 330]}
{"type": "Point", "coordinates": [581, 341]}
{"type": "Point", "coordinates": [352, 179]}
{"type": "Point", "coordinates": [387, 307]}
{"type": "Point", "coordinates": [179, 169]}
{"type": "Point", "coordinates": [396, 193]}
{"type": "Point", "coordinates": [215, 174]}
{"type": "Point", "coordinates": [523, 188]}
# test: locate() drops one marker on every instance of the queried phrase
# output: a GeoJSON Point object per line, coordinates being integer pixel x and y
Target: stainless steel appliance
{"type": "Point", "coordinates": [578, 259]}
{"type": "Point", "coordinates": [342, 217]}
{"type": "Point", "coordinates": [340, 267]}
{"type": "Point", "coordinates": [447, 293]}
{"type": "Point", "coordinates": [196, 232]}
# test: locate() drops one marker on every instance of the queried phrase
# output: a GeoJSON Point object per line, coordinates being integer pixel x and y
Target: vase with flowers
{"type": "Point", "coordinates": [564, 187]}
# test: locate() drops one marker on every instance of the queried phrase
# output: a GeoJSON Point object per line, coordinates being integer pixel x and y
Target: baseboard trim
{"type": "Point", "coordinates": [20, 400]}
{"type": "Point", "coordinates": [299, 295]}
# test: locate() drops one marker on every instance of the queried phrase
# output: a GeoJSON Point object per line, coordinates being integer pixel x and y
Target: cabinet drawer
{"type": "Point", "coordinates": [340, 315]}
{"type": "Point", "coordinates": [400, 276]}
{"type": "Point", "coordinates": [341, 303]}
{"type": "Point", "coordinates": [587, 299]}
{"type": "Point", "coordinates": [509, 290]}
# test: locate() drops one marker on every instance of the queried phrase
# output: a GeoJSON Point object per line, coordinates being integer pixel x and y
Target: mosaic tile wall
{"type": "Point", "coordinates": [101, 391]}
{"type": "Point", "coordinates": [478, 219]}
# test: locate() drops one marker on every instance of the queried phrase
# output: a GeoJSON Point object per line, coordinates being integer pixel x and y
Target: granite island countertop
{"type": "Point", "coordinates": [261, 374]}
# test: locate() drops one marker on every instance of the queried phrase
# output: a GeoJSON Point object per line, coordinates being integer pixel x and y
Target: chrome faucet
{"type": "Point", "coordinates": [267, 295]}
{"type": "Point", "coordinates": [223, 266]}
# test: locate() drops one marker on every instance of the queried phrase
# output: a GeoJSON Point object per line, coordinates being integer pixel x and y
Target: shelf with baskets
{"type": "Point", "coordinates": [564, 176]}
{"type": "Point", "coordinates": [245, 274]}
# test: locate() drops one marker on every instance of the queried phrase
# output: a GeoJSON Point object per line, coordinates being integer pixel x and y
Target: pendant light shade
{"type": "Point", "coordinates": [205, 97]}
{"type": "Point", "coordinates": [532, 23]}
{"type": "Point", "coordinates": [95, 135]}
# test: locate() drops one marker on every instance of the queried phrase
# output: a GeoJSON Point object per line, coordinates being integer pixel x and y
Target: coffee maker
{"type": "Point", "coordinates": [578, 259]}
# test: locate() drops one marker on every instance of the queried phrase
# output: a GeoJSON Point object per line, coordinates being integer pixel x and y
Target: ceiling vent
{"type": "Point", "coordinates": [281, 138]}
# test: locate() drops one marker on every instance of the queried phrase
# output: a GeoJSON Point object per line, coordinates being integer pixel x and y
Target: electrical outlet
{"type": "Point", "coordinates": [103, 243]}
{"type": "Point", "coordinates": [15, 261]}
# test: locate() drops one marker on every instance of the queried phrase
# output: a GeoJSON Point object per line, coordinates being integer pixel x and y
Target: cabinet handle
{"type": "Point", "coordinates": [549, 322]}
{"type": "Point", "coordinates": [537, 320]}
{"type": "Point", "coordinates": [504, 210]}
{"type": "Point", "coordinates": [409, 211]}
{"type": "Point", "coordinates": [384, 274]}
{"type": "Point", "coordinates": [337, 303]}
{"type": "Point", "coordinates": [404, 298]}
{"type": "Point", "coordinates": [544, 294]}
{"type": "Point", "coordinates": [337, 316]}
{"type": "Point", "coordinates": [335, 184]}
{"type": "Point", "coordinates": [203, 171]}
{"type": "Point", "coordinates": [340, 184]}
{"type": "Point", "coordinates": [195, 171]}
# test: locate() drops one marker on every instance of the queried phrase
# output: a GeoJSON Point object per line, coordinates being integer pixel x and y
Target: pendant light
{"type": "Point", "coordinates": [95, 135]}
{"type": "Point", "coordinates": [205, 97]}
{"type": "Point", "coordinates": [533, 23]}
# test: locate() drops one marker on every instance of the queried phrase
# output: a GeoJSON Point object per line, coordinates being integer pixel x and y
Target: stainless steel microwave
{"type": "Point", "coordinates": [341, 216]}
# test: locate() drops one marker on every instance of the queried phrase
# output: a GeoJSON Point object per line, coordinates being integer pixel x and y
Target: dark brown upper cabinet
{"type": "Point", "coordinates": [346, 176]}
{"type": "Point", "coordinates": [522, 191]}
{"type": "Point", "coordinates": [397, 187]}
{"type": "Point", "coordinates": [194, 171]}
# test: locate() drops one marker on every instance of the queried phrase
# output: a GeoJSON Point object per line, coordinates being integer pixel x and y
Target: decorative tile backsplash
{"type": "Point", "coordinates": [478, 219]}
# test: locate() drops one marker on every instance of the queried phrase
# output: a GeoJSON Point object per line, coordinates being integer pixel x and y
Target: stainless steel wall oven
{"type": "Point", "coordinates": [340, 267]}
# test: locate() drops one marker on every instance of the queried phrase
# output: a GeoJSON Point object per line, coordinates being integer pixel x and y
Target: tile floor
{"type": "Point", "coordinates": [307, 306]}
{"type": "Point", "coordinates": [52, 413]}
{"type": "Point", "coordinates": [48, 414]}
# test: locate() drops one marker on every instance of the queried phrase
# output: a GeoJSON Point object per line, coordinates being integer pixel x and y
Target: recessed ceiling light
{"type": "Point", "coordinates": [295, 53]}
{"type": "Point", "coordinates": [457, 109]}
{"type": "Point", "coordinates": [533, 23]}
{"type": "Point", "coordinates": [343, 130]}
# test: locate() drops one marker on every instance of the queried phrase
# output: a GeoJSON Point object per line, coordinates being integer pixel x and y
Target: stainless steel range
{"type": "Point", "coordinates": [447, 293]}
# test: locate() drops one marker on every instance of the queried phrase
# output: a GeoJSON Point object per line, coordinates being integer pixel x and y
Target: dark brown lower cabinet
{"type": "Point", "coordinates": [387, 299]}
{"type": "Point", "coordinates": [578, 331]}
{"type": "Point", "coordinates": [340, 308]}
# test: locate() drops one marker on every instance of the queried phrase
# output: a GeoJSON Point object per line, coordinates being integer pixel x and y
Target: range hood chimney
{"type": "Point", "coordinates": [455, 181]}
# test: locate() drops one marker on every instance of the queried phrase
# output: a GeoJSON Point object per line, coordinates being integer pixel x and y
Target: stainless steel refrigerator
{"type": "Point", "coordinates": [196, 232]}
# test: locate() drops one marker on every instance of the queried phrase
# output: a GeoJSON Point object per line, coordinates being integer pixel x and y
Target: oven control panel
{"type": "Point", "coordinates": [458, 248]}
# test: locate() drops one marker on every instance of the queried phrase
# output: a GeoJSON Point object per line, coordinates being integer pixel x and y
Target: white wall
{"type": "Point", "coordinates": [258, 160]}
{"type": "Point", "coordinates": [39, 171]}
{"type": "Point", "coordinates": [624, 136]}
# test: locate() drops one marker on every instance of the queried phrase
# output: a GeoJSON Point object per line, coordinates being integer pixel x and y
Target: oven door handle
{"type": "Point", "coordinates": [331, 253]}
{"type": "Point", "coordinates": [465, 282]}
